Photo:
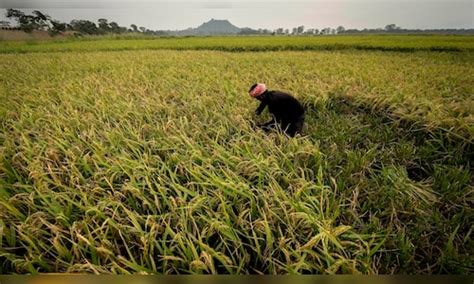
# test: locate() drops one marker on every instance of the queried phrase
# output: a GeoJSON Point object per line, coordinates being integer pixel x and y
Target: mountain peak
{"type": "Point", "coordinates": [218, 21]}
{"type": "Point", "coordinates": [215, 26]}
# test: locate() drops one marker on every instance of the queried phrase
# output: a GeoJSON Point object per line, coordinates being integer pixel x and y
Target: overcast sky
{"type": "Point", "coordinates": [155, 14]}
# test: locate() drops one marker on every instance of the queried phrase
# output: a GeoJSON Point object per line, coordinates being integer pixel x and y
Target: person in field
{"type": "Point", "coordinates": [286, 111]}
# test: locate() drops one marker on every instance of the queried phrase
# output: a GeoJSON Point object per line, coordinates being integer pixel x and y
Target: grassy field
{"type": "Point", "coordinates": [403, 43]}
{"type": "Point", "coordinates": [145, 161]}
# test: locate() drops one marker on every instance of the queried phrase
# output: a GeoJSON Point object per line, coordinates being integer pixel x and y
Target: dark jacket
{"type": "Point", "coordinates": [283, 106]}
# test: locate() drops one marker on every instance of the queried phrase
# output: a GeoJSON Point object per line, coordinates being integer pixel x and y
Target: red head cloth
{"type": "Point", "coordinates": [258, 90]}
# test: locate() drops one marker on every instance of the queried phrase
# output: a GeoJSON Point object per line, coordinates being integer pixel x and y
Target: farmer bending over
{"type": "Point", "coordinates": [286, 111]}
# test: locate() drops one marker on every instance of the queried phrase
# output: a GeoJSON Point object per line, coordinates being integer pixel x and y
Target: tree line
{"type": "Point", "coordinates": [42, 22]}
{"type": "Point", "coordinates": [388, 29]}
{"type": "Point", "coordinates": [300, 30]}
{"type": "Point", "coordinates": [39, 21]}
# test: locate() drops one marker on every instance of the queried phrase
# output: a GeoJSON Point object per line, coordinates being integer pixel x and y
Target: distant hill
{"type": "Point", "coordinates": [217, 27]}
{"type": "Point", "coordinates": [213, 27]}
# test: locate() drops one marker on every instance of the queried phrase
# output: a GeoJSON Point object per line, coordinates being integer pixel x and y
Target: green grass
{"type": "Point", "coordinates": [146, 162]}
{"type": "Point", "coordinates": [257, 43]}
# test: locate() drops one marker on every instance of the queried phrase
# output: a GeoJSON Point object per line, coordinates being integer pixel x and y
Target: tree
{"type": "Point", "coordinates": [326, 31]}
{"type": "Point", "coordinates": [103, 25]}
{"type": "Point", "coordinates": [134, 28]}
{"type": "Point", "coordinates": [279, 31]}
{"type": "Point", "coordinates": [143, 29]}
{"type": "Point", "coordinates": [27, 22]}
{"type": "Point", "coordinates": [114, 28]}
{"type": "Point", "coordinates": [37, 21]}
{"type": "Point", "coordinates": [248, 31]}
{"type": "Point", "coordinates": [40, 20]}
{"type": "Point", "coordinates": [391, 27]}
{"type": "Point", "coordinates": [295, 31]}
{"type": "Point", "coordinates": [340, 29]}
{"type": "Point", "coordinates": [316, 31]}
{"type": "Point", "coordinates": [56, 28]}
{"type": "Point", "coordinates": [15, 14]}
{"type": "Point", "coordinates": [84, 26]}
{"type": "Point", "coordinates": [300, 29]}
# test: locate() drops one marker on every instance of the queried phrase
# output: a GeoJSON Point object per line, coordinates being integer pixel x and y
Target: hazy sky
{"type": "Point", "coordinates": [155, 14]}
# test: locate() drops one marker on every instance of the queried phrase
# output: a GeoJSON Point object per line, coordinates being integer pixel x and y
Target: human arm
{"type": "Point", "coordinates": [260, 108]}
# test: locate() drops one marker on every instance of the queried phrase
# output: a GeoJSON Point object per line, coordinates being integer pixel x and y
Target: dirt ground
{"type": "Point", "coordinates": [35, 35]}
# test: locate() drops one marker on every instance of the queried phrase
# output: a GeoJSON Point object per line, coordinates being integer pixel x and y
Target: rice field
{"type": "Point", "coordinates": [145, 161]}
{"type": "Point", "coordinates": [402, 43]}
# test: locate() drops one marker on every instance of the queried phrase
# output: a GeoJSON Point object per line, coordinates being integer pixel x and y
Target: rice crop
{"type": "Point", "coordinates": [402, 43]}
{"type": "Point", "coordinates": [146, 161]}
